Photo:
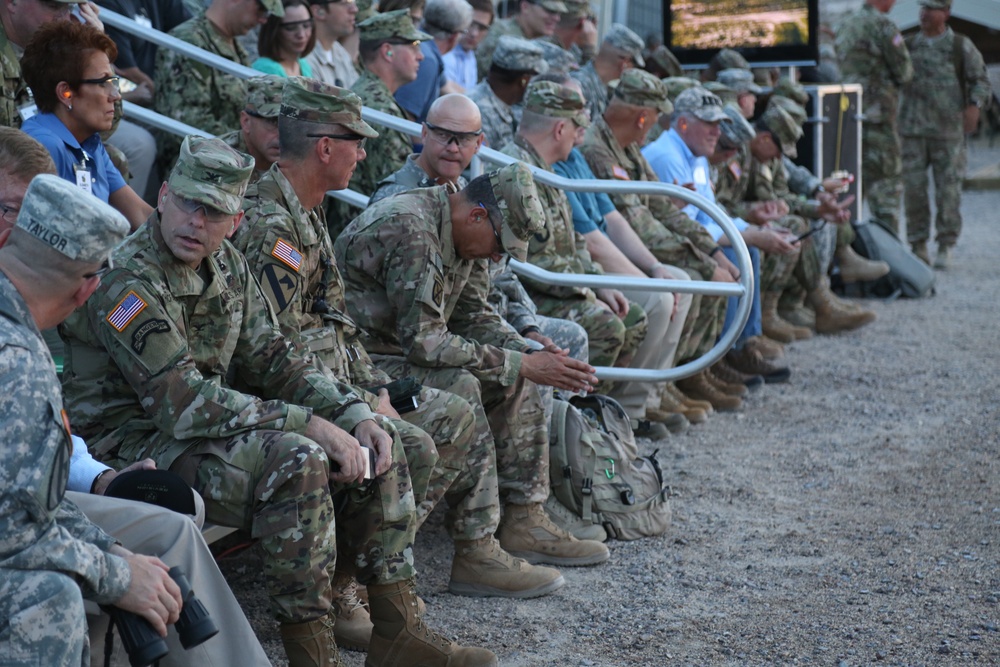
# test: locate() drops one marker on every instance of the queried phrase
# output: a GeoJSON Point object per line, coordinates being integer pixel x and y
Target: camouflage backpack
{"type": "Point", "coordinates": [596, 471]}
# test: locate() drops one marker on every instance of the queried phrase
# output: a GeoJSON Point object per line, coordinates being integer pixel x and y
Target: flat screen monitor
{"type": "Point", "coordinates": [766, 32]}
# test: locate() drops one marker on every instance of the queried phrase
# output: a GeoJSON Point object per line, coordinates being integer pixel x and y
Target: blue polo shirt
{"type": "Point", "coordinates": [67, 151]}
{"type": "Point", "coordinates": [589, 208]}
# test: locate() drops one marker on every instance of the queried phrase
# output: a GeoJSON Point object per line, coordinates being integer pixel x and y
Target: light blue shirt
{"type": "Point", "coordinates": [83, 469]}
{"type": "Point", "coordinates": [460, 67]}
{"type": "Point", "coordinates": [589, 208]}
{"type": "Point", "coordinates": [672, 160]}
{"type": "Point", "coordinates": [417, 96]}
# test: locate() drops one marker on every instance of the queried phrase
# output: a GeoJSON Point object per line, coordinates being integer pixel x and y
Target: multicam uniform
{"type": "Point", "coordinates": [235, 139]}
{"type": "Point", "coordinates": [424, 312]}
{"type": "Point", "coordinates": [150, 367]}
{"type": "Point", "coordinates": [872, 52]}
{"type": "Point", "coordinates": [290, 253]}
{"type": "Point", "coordinates": [14, 93]}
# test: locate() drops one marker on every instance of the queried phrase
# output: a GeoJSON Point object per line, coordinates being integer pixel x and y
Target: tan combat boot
{"type": "Point", "coordinates": [831, 316]}
{"type": "Point", "coordinates": [919, 249]}
{"type": "Point", "coordinates": [688, 401]}
{"type": "Point", "coordinates": [771, 350]}
{"type": "Point", "coordinates": [752, 361]}
{"type": "Point", "coordinates": [774, 327]}
{"type": "Point", "coordinates": [943, 259]}
{"type": "Point", "coordinates": [400, 638]}
{"type": "Point", "coordinates": [669, 402]}
{"type": "Point", "coordinates": [699, 388]}
{"type": "Point", "coordinates": [352, 625]}
{"type": "Point", "coordinates": [481, 568]}
{"type": "Point", "coordinates": [573, 524]}
{"type": "Point", "coordinates": [722, 370]}
{"type": "Point", "coordinates": [673, 420]}
{"type": "Point", "coordinates": [311, 643]}
{"type": "Point", "coordinates": [527, 532]}
{"type": "Point", "coordinates": [854, 268]}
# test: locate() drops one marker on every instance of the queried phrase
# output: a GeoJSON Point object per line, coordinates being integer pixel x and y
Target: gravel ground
{"type": "Point", "coordinates": [849, 517]}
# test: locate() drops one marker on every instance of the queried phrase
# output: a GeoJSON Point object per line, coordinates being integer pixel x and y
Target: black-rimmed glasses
{"type": "Point", "coordinates": [496, 234]}
{"type": "Point", "coordinates": [6, 210]}
{"type": "Point", "coordinates": [106, 266]}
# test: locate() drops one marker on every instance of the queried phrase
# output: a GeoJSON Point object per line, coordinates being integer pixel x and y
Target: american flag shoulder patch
{"type": "Point", "coordinates": [286, 252]}
{"type": "Point", "coordinates": [619, 173]}
{"type": "Point", "coordinates": [126, 311]}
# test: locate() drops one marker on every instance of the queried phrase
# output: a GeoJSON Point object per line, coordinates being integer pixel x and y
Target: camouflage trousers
{"type": "Point", "coordinates": [702, 325]}
{"type": "Point", "coordinates": [946, 159]}
{"type": "Point", "coordinates": [779, 272]}
{"type": "Point", "coordinates": [567, 335]}
{"type": "Point", "coordinates": [275, 485]}
{"type": "Point", "coordinates": [44, 622]}
{"type": "Point", "coordinates": [512, 415]}
{"type": "Point", "coordinates": [881, 166]}
{"type": "Point", "coordinates": [612, 341]}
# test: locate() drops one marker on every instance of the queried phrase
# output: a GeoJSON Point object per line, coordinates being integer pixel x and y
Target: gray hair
{"type": "Point", "coordinates": [443, 18]}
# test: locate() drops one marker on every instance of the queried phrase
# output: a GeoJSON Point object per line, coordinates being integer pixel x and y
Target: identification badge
{"type": "Point", "coordinates": [28, 110]}
{"type": "Point", "coordinates": [84, 179]}
{"type": "Point", "coordinates": [143, 20]}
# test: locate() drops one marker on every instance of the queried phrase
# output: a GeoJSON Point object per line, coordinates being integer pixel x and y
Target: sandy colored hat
{"type": "Point", "coordinates": [273, 6]}
{"type": "Point", "coordinates": [783, 128]}
{"type": "Point", "coordinates": [313, 101]}
{"type": "Point", "coordinates": [725, 93]}
{"type": "Point", "coordinates": [792, 90]}
{"type": "Point", "coordinates": [523, 215]}
{"type": "Point", "coordinates": [738, 130]}
{"type": "Point", "coordinates": [795, 110]}
{"type": "Point", "coordinates": [700, 103]}
{"type": "Point", "coordinates": [264, 95]}
{"type": "Point", "coordinates": [726, 59]}
{"type": "Point", "coordinates": [391, 25]}
{"type": "Point", "coordinates": [740, 80]}
{"type": "Point", "coordinates": [557, 58]}
{"type": "Point", "coordinates": [69, 220]}
{"type": "Point", "coordinates": [519, 55]}
{"type": "Point", "coordinates": [576, 8]}
{"type": "Point", "coordinates": [666, 61]}
{"type": "Point", "coordinates": [552, 99]}
{"type": "Point", "coordinates": [211, 173]}
{"type": "Point", "coordinates": [678, 84]}
{"type": "Point", "coordinates": [557, 6]}
{"type": "Point", "coordinates": [625, 40]}
{"type": "Point", "coordinates": [642, 89]}
{"type": "Point", "coordinates": [936, 4]}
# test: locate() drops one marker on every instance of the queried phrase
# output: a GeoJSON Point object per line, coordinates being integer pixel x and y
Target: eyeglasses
{"type": "Point", "coordinates": [190, 207]}
{"type": "Point", "coordinates": [489, 220]}
{"type": "Point", "coordinates": [110, 83]}
{"type": "Point", "coordinates": [106, 266]}
{"type": "Point", "coordinates": [295, 26]}
{"type": "Point", "coordinates": [478, 27]}
{"type": "Point", "coordinates": [6, 211]}
{"type": "Point", "coordinates": [361, 141]}
{"type": "Point", "coordinates": [445, 136]}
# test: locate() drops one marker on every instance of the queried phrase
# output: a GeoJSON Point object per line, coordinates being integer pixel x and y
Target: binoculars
{"type": "Point", "coordinates": [144, 645]}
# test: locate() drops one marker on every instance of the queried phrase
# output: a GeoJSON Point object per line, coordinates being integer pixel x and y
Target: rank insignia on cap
{"type": "Point", "coordinates": [126, 311]}
{"type": "Point", "coordinates": [620, 173]}
{"type": "Point", "coordinates": [285, 252]}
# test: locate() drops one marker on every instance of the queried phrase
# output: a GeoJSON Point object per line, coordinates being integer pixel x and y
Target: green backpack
{"type": "Point", "coordinates": [596, 471]}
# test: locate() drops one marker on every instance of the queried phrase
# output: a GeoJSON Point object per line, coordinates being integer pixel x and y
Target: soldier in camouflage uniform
{"type": "Point", "coordinates": [872, 52]}
{"type": "Point", "coordinates": [620, 50]}
{"type": "Point", "coordinates": [51, 555]}
{"type": "Point", "coordinates": [576, 26]}
{"type": "Point", "coordinates": [536, 18]}
{"type": "Point", "coordinates": [198, 94]}
{"type": "Point", "coordinates": [942, 103]}
{"type": "Point", "coordinates": [417, 280]}
{"type": "Point", "coordinates": [283, 212]}
{"type": "Point", "coordinates": [258, 133]}
{"type": "Point", "coordinates": [154, 366]}
{"type": "Point", "coordinates": [499, 95]}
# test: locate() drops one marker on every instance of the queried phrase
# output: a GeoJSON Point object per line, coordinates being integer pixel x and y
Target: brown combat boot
{"type": "Point", "coordinates": [673, 420]}
{"type": "Point", "coordinates": [854, 268]}
{"type": "Point", "coordinates": [831, 315]}
{"type": "Point", "coordinates": [726, 387]}
{"type": "Point", "coordinates": [481, 568]}
{"type": "Point", "coordinates": [722, 370]}
{"type": "Point", "coordinates": [698, 387]}
{"type": "Point", "coordinates": [688, 401]}
{"type": "Point", "coordinates": [352, 624]}
{"type": "Point", "coordinates": [670, 403]}
{"type": "Point", "coordinates": [771, 350]}
{"type": "Point", "coordinates": [774, 327]}
{"type": "Point", "coordinates": [400, 638]}
{"type": "Point", "coordinates": [751, 361]}
{"type": "Point", "coordinates": [527, 532]}
{"type": "Point", "coordinates": [310, 643]}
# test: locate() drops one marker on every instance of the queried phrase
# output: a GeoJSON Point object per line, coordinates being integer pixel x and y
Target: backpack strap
{"type": "Point", "coordinates": [958, 60]}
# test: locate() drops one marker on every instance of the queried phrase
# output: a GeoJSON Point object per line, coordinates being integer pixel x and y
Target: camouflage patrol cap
{"type": "Point", "coordinates": [312, 101]}
{"type": "Point", "coordinates": [70, 221]}
{"type": "Point", "coordinates": [791, 89]}
{"type": "Point", "coordinates": [738, 130]}
{"type": "Point", "coordinates": [667, 61]}
{"type": "Point", "coordinates": [211, 173]}
{"type": "Point", "coordinates": [740, 80]}
{"type": "Point", "coordinates": [274, 7]}
{"type": "Point", "coordinates": [555, 100]}
{"type": "Point", "coordinates": [935, 4]}
{"type": "Point", "coordinates": [557, 6]}
{"type": "Point", "coordinates": [725, 93]}
{"type": "Point", "coordinates": [519, 55]}
{"type": "Point", "coordinates": [396, 24]}
{"type": "Point", "coordinates": [366, 10]}
{"type": "Point", "coordinates": [523, 216]}
{"type": "Point", "coordinates": [557, 58]}
{"type": "Point", "coordinates": [783, 128]}
{"type": "Point", "coordinates": [627, 41]}
{"type": "Point", "coordinates": [576, 8]}
{"type": "Point", "coordinates": [264, 95]}
{"type": "Point", "coordinates": [642, 89]}
{"type": "Point", "coordinates": [726, 59]}
{"type": "Point", "coordinates": [796, 111]}
{"type": "Point", "coordinates": [700, 103]}
{"type": "Point", "coordinates": [678, 84]}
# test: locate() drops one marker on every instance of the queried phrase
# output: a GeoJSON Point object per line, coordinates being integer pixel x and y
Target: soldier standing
{"type": "Point", "coordinates": [872, 52]}
{"type": "Point", "coordinates": [942, 104]}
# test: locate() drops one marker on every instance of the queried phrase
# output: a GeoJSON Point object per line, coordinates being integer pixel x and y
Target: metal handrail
{"type": "Point", "coordinates": [743, 289]}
